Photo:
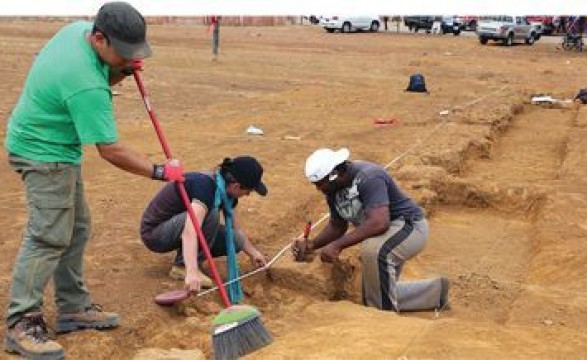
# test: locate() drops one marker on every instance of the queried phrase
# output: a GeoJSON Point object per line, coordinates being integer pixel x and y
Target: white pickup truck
{"type": "Point", "coordinates": [506, 29]}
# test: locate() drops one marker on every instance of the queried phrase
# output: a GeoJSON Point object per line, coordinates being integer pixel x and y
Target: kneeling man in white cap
{"type": "Point", "coordinates": [390, 227]}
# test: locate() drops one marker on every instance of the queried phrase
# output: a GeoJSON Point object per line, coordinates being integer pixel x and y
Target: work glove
{"type": "Point", "coordinates": [170, 171]}
{"type": "Point", "coordinates": [138, 65]}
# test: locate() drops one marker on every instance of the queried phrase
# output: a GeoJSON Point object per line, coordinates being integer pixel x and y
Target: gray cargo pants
{"type": "Point", "coordinates": [167, 237]}
{"type": "Point", "coordinates": [382, 260]}
{"type": "Point", "coordinates": [54, 239]}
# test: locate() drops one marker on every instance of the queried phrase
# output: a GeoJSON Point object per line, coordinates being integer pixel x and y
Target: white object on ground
{"type": "Point", "coordinates": [290, 137]}
{"type": "Point", "coordinates": [543, 99]}
{"type": "Point", "coordinates": [253, 130]}
{"type": "Point", "coordinates": [548, 99]}
{"type": "Point", "coordinates": [443, 112]}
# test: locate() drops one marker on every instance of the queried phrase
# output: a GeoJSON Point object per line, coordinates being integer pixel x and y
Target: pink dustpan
{"type": "Point", "coordinates": [171, 297]}
{"type": "Point", "coordinates": [386, 122]}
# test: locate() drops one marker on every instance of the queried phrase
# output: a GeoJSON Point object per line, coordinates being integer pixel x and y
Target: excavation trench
{"type": "Point", "coordinates": [485, 219]}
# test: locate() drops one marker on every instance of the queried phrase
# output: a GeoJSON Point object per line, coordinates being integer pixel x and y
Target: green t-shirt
{"type": "Point", "coordinates": [66, 101]}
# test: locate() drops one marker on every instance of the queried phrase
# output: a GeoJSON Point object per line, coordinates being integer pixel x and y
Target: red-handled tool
{"type": "Point", "coordinates": [181, 188]}
{"type": "Point", "coordinates": [307, 232]}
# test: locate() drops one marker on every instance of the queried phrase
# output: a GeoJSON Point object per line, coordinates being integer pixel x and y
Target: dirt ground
{"type": "Point", "coordinates": [503, 182]}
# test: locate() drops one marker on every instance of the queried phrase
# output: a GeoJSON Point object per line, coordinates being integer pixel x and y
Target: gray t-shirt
{"type": "Point", "coordinates": [371, 187]}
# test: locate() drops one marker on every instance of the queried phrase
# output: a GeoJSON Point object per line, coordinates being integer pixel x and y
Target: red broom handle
{"type": "Point", "coordinates": [181, 188]}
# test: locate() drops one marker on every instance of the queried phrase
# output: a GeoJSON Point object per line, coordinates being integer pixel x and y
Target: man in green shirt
{"type": "Point", "coordinates": [65, 104]}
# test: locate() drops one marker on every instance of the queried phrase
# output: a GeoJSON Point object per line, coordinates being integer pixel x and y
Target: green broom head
{"type": "Point", "coordinates": [237, 331]}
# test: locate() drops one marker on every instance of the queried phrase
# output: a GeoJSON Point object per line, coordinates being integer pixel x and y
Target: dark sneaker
{"type": "Point", "coordinates": [178, 273]}
{"type": "Point", "coordinates": [29, 338]}
{"type": "Point", "coordinates": [93, 317]}
{"type": "Point", "coordinates": [444, 302]}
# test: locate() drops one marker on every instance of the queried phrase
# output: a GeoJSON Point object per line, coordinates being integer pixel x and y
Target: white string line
{"type": "Point", "coordinates": [327, 215]}
{"type": "Point", "coordinates": [266, 267]}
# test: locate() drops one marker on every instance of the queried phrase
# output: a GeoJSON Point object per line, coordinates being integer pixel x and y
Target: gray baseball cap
{"type": "Point", "coordinates": [126, 29]}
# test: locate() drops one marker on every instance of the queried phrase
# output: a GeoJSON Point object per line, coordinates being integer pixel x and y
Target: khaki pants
{"type": "Point", "coordinates": [54, 239]}
{"type": "Point", "coordinates": [383, 258]}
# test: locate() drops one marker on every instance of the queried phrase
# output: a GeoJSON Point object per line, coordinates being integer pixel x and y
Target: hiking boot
{"type": "Point", "coordinates": [444, 287]}
{"type": "Point", "coordinates": [178, 273]}
{"type": "Point", "coordinates": [93, 317]}
{"type": "Point", "coordinates": [29, 338]}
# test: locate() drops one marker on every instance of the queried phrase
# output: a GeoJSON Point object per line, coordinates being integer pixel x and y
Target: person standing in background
{"type": "Point", "coordinates": [385, 19]}
{"type": "Point", "coordinates": [215, 25]}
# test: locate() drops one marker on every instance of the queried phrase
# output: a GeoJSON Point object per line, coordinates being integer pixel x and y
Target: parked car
{"type": "Point", "coordinates": [506, 29]}
{"type": "Point", "coordinates": [313, 19]}
{"type": "Point", "coordinates": [547, 25]}
{"type": "Point", "coordinates": [416, 23]}
{"type": "Point", "coordinates": [347, 24]}
{"type": "Point", "coordinates": [451, 24]}
{"type": "Point", "coordinates": [470, 22]}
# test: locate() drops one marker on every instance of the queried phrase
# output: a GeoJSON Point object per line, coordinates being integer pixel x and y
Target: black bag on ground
{"type": "Point", "coordinates": [582, 96]}
{"type": "Point", "coordinates": [417, 83]}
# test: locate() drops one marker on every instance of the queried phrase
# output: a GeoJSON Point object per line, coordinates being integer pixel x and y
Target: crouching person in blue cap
{"type": "Point", "coordinates": [390, 227]}
{"type": "Point", "coordinates": [166, 226]}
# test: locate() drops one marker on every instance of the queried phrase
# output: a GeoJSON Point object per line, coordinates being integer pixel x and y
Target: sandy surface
{"type": "Point", "coordinates": [503, 182]}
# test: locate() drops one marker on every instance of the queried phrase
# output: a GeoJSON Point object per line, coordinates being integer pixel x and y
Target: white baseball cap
{"type": "Point", "coordinates": [323, 161]}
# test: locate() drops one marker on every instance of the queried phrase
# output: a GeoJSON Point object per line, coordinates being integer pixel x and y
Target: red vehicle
{"type": "Point", "coordinates": [470, 22]}
{"type": "Point", "coordinates": [546, 21]}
